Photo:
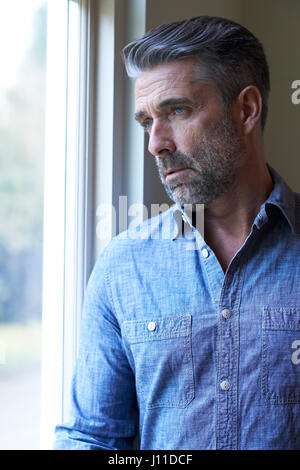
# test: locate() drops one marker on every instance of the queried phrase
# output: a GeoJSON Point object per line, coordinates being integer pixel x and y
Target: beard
{"type": "Point", "coordinates": [213, 166]}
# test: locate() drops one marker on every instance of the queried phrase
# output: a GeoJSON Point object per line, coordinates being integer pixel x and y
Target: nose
{"type": "Point", "coordinates": [161, 139]}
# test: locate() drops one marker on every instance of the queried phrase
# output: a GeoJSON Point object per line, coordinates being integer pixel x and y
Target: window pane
{"type": "Point", "coordinates": [23, 26]}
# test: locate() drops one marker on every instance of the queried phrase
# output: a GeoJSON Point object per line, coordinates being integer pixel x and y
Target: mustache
{"type": "Point", "coordinates": [174, 160]}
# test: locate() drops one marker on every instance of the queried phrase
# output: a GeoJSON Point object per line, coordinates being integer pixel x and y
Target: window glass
{"type": "Point", "coordinates": [23, 33]}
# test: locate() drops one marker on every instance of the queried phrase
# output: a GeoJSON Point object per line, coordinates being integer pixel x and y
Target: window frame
{"type": "Point", "coordinates": [68, 226]}
{"type": "Point", "coordinates": [94, 152]}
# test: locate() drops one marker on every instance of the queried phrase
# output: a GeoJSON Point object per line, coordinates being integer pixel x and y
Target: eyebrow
{"type": "Point", "coordinates": [140, 115]}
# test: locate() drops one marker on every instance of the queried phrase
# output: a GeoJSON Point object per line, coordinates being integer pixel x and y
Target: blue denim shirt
{"type": "Point", "coordinates": [185, 355]}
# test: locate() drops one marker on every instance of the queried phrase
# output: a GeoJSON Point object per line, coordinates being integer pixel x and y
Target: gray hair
{"type": "Point", "coordinates": [232, 56]}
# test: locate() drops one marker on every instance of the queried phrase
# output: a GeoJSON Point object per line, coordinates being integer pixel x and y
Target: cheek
{"type": "Point", "coordinates": [186, 136]}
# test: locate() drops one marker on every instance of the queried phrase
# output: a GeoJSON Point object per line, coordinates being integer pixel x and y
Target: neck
{"type": "Point", "coordinates": [236, 210]}
{"type": "Point", "coordinates": [228, 220]}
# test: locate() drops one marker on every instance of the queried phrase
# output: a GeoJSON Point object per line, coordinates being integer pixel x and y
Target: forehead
{"type": "Point", "coordinates": [175, 79]}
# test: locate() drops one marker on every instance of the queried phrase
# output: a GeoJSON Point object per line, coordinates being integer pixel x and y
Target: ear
{"type": "Point", "coordinates": [248, 107]}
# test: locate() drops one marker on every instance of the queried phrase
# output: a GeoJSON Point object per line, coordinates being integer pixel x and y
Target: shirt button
{"type": "Point", "coordinates": [226, 313]}
{"type": "Point", "coordinates": [225, 385]}
{"type": "Point", "coordinates": [205, 253]}
{"type": "Point", "coordinates": [151, 325]}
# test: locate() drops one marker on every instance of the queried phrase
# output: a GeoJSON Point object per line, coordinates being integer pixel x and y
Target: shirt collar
{"type": "Point", "coordinates": [281, 196]}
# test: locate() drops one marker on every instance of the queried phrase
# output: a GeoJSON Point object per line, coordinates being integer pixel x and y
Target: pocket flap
{"type": "Point", "coordinates": [281, 318]}
{"type": "Point", "coordinates": [157, 328]}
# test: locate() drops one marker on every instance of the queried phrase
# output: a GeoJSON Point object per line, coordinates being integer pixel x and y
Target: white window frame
{"type": "Point", "coordinates": [67, 201]}
{"type": "Point", "coordinates": [54, 219]}
{"type": "Point", "coordinates": [93, 153]}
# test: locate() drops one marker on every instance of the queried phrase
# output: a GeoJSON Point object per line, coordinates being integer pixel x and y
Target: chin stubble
{"type": "Point", "coordinates": [218, 156]}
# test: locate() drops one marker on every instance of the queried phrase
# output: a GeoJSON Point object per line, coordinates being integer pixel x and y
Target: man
{"type": "Point", "coordinates": [197, 348]}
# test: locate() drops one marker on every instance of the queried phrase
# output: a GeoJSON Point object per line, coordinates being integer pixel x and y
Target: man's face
{"type": "Point", "coordinates": [194, 140]}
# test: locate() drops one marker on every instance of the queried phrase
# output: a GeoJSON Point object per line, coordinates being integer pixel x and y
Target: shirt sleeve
{"type": "Point", "coordinates": [103, 398]}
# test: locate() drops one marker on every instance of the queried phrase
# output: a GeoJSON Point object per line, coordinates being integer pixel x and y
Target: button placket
{"type": "Point", "coordinates": [228, 354]}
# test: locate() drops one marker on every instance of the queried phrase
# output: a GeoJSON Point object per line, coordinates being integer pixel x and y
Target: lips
{"type": "Point", "coordinates": [174, 172]}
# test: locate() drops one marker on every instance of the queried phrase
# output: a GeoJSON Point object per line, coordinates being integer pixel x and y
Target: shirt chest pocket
{"type": "Point", "coordinates": [281, 355]}
{"type": "Point", "coordinates": [162, 353]}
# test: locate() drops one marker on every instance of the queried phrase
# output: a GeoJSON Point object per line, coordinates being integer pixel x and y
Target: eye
{"type": "Point", "coordinates": [179, 110]}
{"type": "Point", "coordinates": [147, 124]}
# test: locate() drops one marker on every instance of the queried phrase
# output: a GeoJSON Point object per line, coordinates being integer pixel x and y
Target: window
{"type": "Point", "coordinates": [42, 191]}
{"type": "Point", "coordinates": [23, 32]}
{"type": "Point", "coordinates": [67, 146]}
{"type": "Point", "coordinates": [67, 194]}
{"type": "Point", "coordinates": [85, 167]}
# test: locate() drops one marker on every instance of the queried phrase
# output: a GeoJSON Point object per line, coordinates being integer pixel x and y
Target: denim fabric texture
{"type": "Point", "coordinates": [184, 355]}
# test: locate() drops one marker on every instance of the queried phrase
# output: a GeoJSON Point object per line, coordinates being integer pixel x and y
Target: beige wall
{"type": "Point", "coordinates": [277, 24]}
{"type": "Point", "coordinates": [163, 11]}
